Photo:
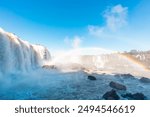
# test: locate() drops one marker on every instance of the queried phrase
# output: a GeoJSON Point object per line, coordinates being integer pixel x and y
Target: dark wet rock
{"type": "Point", "coordinates": [49, 66]}
{"type": "Point", "coordinates": [127, 75]}
{"type": "Point", "coordinates": [111, 95]}
{"type": "Point", "coordinates": [91, 77]}
{"type": "Point", "coordinates": [135, 96]}
{"type": "Point", "coordinates": [124, 76]}
{"type": "Point", "coordinates": [117, 86]}
{"type": "Point", "coordinates": [117, 75]}
{"type": "Point", "coordinates": [103, 73]}
{"type": "Point", "coordinates": [145, 80]}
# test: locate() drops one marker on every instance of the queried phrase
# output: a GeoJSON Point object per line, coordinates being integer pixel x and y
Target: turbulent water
{"type": "Point", "coordinates": [27, 71]}
{"type": "Point", "coordinates": [17, 55]}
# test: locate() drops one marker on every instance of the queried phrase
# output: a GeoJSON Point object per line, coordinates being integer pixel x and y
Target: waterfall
{"type": "Point", "coordinates": [17, 55]}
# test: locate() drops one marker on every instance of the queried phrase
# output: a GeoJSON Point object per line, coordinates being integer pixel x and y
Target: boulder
{"type": "Point", "coordinates": [145, 80]}
{"type": "Point", "coordinates": [91, 77]}
{"type": "Point", "coordinates": [135, 96]}
{"type": "Point", "coordinates": [111, 95]}
{"type": "Point", "coordinates": [127, 75]}
{"type": "Point", "coordinates": [49, 67]}
{"type": "Point", "coordinates": [117, 86]}
{"type": "Point", "coordinates": [117, 75]}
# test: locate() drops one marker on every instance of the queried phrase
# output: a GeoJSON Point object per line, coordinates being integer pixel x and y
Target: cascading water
{"type": "Point", "coordinates": [100, 60]}
{"type": "Point", "coordinates": [17, 55]}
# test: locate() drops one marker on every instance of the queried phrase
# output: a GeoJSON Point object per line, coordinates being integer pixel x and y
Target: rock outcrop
{"type": "Point", "coordinates": [111, 95]}
{"type": "Point", "coordinates": [117, 86]}
{"type": "Point", "coordinates": [91, 77]}
{"type": "Point", "coordinates": [135, 96]}
{"type": "Point", "coordinates": [145, 80]}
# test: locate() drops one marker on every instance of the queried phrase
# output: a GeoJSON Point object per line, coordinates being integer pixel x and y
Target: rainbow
{"type": "Point", "coordinates": [135, 60]}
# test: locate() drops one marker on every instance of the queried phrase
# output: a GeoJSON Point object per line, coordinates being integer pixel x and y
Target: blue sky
{"type": "Point", "coordinates": [67, 24]}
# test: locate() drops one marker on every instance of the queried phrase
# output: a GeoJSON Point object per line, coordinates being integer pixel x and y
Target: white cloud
{"type": "Point", "coordinates": [95, 30]}
{"type": "Point", "coordinates": [115, 17]}
{"type": "Point", "coordinates": [74, 42]}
